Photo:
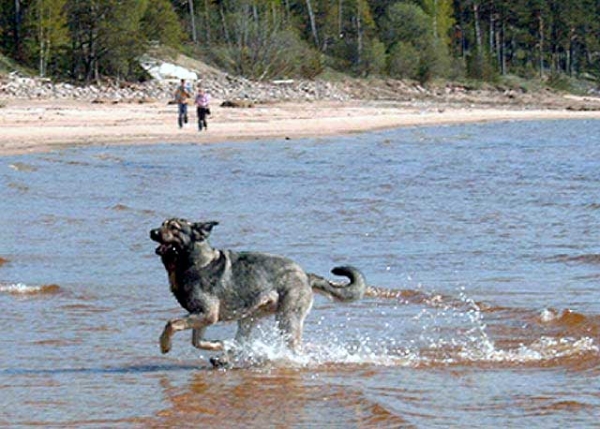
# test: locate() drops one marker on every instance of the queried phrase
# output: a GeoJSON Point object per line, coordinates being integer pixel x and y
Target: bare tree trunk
{"type": "Point", "coordinates": [461, 29]}
{"type": "Point", "coordinates": [541, 43]}
{"type": "Point", "coordinates": [340, 18]}
{"type": "Point", "coordinates": [359, 37]}
{"type": "Point", "coordinates": [40, 39]}
{"type": "Point", "coordinates": [502, 48]}
{"type": "Point", "coordinates": [224, 23]}
{"type": "Point", "coordinates": [435, 17]}
{"type": "Point", "coordinates": [17, 35]}
{"type": "Point", "coordinates": [571, 52]}
{"type": "Point", "coordinates": [478, 37]}
{"type": "Point", "coordinates": [492, 35]}
{"type": "Point", "coordinates": [193, 21]}
{"type": "Point", "coordinates": [313, 24]}
{"type": "Point", "coordinates": [287, 10]}
{"type": "Point", "coordinates": [207, 21]}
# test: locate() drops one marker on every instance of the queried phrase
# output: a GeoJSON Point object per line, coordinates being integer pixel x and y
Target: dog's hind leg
{"type": "Point", "coordinates": [245, 327]}
{"type": "Point", "coordinates": [293, 309]}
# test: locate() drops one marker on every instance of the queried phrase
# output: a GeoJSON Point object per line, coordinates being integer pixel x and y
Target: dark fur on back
{"type": "Point", "coordinates": [218, 285]}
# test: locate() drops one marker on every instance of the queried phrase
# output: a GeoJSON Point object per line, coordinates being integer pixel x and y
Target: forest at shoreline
{"type": "Point", "coordinates": [90, 40]}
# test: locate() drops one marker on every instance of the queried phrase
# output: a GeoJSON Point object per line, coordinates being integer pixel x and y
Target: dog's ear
{"type": "Point", "coordinates": [202, 229]}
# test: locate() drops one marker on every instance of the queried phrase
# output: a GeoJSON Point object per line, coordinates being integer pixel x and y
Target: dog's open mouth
{"type": "Point", "coordinates": [165, 249]}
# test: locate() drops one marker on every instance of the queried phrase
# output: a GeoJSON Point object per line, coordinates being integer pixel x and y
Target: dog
{"type": "Point", "coordinates": [224, 285]}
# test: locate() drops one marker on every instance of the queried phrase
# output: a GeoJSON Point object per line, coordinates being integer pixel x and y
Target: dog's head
{"type": "Point", "coordinates": [177, 236]}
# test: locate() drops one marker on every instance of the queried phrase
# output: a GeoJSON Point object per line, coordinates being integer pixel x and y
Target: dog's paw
{"type": "Point", "coordinates": [165, 342]}
{"type": "Point", "coordinates": [220, 362]}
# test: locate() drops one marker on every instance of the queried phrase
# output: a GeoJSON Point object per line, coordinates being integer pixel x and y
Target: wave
{"type": "Point", "coordinates": [21, 166]}
{"type": "Point", "coordinates": [591, 258]}
{"type": "Point", "coordinates": [26, 290]}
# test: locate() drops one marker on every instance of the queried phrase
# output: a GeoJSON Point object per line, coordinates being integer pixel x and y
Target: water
{"type": "Point", "coordinates": [489, 233]}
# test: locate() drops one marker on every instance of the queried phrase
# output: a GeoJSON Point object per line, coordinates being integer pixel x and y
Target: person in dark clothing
{"type": "Point", "coordinates": [202, 108]}
{"type": "Point", "coordinates": [182, 96]}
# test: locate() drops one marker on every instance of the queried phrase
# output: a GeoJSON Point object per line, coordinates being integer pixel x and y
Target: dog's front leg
{"type": "Point", "coordinates": [197, 336]}
{"type": "Point", "coordinates": [199, 342]}
{"type": "Point", "coordinates": [192, 321]}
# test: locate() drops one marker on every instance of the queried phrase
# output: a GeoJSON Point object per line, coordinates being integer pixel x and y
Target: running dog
{"type": "Point", "coordinates": [223, 285]}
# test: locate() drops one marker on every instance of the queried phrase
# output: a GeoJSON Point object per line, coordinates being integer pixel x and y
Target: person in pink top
{"type": "Point", "coordinates": [202, 108]}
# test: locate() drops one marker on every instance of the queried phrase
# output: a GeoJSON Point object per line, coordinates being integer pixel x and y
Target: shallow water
{"type": "Point", "coordinates": [488, 232]}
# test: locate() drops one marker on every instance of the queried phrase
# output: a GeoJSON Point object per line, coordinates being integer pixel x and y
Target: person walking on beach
{"type": "Point", "coordinates": [202, 108]}
{"type": "Point", "coordinates": [182, 95]}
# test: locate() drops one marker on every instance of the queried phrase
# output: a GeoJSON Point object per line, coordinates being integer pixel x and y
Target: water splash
{"type": "Point", "coordinates": [450, 332]}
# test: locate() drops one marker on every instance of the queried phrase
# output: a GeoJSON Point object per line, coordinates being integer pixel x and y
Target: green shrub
{"type": "Point", "coordinates": [403, 61]}
{"type": "Point", "coordinates": [559, 81]}
{"type": "Point", "coordinates": [374, 58]}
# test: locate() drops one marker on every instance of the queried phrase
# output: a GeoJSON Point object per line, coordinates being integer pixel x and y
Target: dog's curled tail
{"type": "Point", "coordinates": [341, 291]}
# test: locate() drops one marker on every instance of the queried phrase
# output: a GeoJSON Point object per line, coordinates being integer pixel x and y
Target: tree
{"type": "Point", "coordinates": [440, 13]}
{"type": "Point", "coordinates": [106, 36]}
{"type": "Point", "coordinates": [160, 23]}
{"type": "Point", "coordinates": [262, 44]}
{"type": "Point", "coordinates": [313, 24]}
{"type": "Point", "coordinates": [121, 37]}
{"type": "Point", "coordinates": [374, 57]}
{"type": "Point", "coordinates": [405, 22]}
{"type": "Point", "coordinates": [48, 20]}
{"type": "Point", "coordinates": [403, 61]}
{"type": "Point", "coordinates": [12, 14]}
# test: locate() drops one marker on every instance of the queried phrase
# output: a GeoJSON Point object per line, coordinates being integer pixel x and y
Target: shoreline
{"type": "Point", "coordinates": [33, 126]}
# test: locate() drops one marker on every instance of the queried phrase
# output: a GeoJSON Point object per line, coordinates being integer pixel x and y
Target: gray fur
{"type": "Point", "coordinates": [222, 285]}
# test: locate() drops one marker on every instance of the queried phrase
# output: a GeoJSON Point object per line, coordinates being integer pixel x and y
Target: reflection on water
{"type": "Point", "coordinates": [486, 233]}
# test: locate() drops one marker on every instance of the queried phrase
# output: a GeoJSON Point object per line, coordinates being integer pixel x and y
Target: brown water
{"type": "Point", "coordinates": [487, 233]}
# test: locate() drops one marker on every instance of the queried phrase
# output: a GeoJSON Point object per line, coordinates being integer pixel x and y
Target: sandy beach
{"type": "Point", "coordinates": [44, 125]}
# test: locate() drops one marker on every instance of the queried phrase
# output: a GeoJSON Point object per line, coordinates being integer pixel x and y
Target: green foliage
{"type": "Point", "coordinates": [106, 37]}
{"type": "Point", "coordinates": [421, 39]}
{"type": "Point", "coordinates": [480, 67]}
{"type": "Point", "coordinates": [309, 63]}
{"type": "Point", "coordinates": [559, 82]}
{"type": "Point", "coordinates": [417, 41]}
{"type": "Point", "coordinates": [160, 24]}
{"type": "Point", "coordinates": [261, 44]}
{"type": "Point", "coordinates": [403, 62]}
{"type": "Point", "coordinates": [8, 65]}
{"type": "Point", "coordinates": [434, 61]}
{"type": "Point", "coordinates": [47, 22]}
{"type": "Point", "coordinates": [440, 13]}
{"type": "Point", "coordinates": [406, 22]}
{"type": "Point", "coordinates": [374, 57]}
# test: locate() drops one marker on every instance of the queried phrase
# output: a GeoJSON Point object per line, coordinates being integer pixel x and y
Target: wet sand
{"type": "Point", "coordinates": [43, 125]}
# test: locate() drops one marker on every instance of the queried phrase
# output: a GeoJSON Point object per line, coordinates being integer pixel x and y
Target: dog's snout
{"type": "Point", "coordinates": [154, 234]}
